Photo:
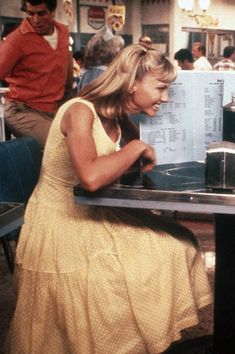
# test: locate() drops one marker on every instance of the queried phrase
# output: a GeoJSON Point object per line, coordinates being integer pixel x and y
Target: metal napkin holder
{"type": "Point", "coordinates": [220, 166]}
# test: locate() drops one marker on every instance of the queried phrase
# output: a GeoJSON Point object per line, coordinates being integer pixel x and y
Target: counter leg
{"type": "Point", "coordinates": [224, 303]}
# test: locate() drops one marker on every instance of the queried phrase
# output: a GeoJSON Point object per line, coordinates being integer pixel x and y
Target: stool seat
{"type": "Point", "coordinates": [20, 161]}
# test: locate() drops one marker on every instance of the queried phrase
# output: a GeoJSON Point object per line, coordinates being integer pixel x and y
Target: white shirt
{"type": "Point", "coordinates": [202, 64]}
{"type": "Point", "coordinates": [52, 39]}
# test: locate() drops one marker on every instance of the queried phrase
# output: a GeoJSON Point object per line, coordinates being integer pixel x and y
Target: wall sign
{"type": "Point", "coordinates": [96, 17]}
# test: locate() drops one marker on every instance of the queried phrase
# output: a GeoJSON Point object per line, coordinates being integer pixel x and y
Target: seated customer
{"type": "Point", "coordinates": [78, 69]}
{"type": "Point", "coordinates": [185, 59]}
{"type": "Point", "coordinates": [78, 56]}
{"type": "Point", "coordinates": [228, 62]}
{"type": "Point", "coordinates": [36, 64]}
{"type": "Point", "coordinates": [199, 53]}
{"type": "Point", "coordinates": [101, 49]}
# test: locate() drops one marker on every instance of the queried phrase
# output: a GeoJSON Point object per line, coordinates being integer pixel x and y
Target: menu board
{"type": "Point", "coordinates": [229, 86]}
{"type": "Point", "coordinates": [191, 119]}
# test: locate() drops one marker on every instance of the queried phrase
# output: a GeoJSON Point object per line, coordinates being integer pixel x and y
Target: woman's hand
{"type": "Point", "coordinates": [148, 159]}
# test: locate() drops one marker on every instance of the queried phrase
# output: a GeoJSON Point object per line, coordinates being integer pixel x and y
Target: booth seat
{"type": "Point", "coordinates": [20, 162]}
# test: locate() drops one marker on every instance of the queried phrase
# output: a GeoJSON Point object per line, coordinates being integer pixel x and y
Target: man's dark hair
{"type": "Point", "coordinates": [228, 51]}
{"type": "Point", "coordinates": [79, 55]}
{"type": "Point", "coordinates": [184, 54]}
{"type": "Point", "coordinates": [50, 4]}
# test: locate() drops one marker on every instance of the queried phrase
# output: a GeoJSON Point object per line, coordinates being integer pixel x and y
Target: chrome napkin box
{"type": "Point", "coordinates": [220, 166]}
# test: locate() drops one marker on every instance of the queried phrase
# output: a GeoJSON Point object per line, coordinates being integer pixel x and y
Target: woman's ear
{"type": "Point", "coordinates": [134, 88]}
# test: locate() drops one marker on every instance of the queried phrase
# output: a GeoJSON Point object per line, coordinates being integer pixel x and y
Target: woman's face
{"type": "Point", "coordinates": [148, 94]}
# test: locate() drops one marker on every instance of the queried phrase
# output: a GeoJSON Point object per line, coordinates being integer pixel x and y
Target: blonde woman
{"type": "Point", "coordinates": [97, 280]}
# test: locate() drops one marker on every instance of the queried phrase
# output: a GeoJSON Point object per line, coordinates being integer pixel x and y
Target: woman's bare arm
{"type": "Point", "coordinates": [95, 171]}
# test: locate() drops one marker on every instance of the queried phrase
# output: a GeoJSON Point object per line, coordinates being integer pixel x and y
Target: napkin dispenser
{"type": "Point", "coordinates": [220, 166]}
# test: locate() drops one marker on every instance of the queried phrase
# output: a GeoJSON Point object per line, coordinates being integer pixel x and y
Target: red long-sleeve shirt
{"type": "Point", "coordinates": [36, 73]}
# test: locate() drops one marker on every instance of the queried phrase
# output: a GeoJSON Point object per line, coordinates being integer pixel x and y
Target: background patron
{"type": "Point", "coordinates": [35, 62]}
{"type": "Point", "coordinates": [101, 49]}
{"type": "Point", "coordinates": [199, 53]}
{"type": "Point", "coordinates": [185, 59]}
{"type": "Point", "coordinates": [228, 62]}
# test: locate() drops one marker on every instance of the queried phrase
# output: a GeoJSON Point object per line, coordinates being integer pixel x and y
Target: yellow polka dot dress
{"type": "Point", "coordinates": [96, 280]}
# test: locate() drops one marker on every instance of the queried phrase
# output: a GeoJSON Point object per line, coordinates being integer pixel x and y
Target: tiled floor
{"type": "Point", "coordinates": [201, 225]}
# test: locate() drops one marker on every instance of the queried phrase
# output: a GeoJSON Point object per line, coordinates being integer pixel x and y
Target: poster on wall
{"type": "Point", "coordinates": [66, 14]}
{"type": "Point", "coordinates": [68, 10]}
{"type": "Point", "coordinates": [116, 17]}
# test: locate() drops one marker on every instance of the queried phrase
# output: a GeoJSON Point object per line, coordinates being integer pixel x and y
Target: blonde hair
{"type": "Point", "coordinates": [200, 47]}
{"type": "Point", "coordinates": [110, 92]}
{"type": "Point", "coordinates": [145, 41]}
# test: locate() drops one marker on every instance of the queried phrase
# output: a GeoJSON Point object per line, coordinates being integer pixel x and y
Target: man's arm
{"type": "Point", "coordinates": [69, 81]}
{"type": "Point", "coordinates": [10, 53]}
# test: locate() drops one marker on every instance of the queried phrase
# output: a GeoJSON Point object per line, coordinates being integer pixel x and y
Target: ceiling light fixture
{"type": "Point", "coordinates": [202, 19]}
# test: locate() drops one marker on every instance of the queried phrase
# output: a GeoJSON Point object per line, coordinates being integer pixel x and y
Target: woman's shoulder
{"type": "Point", "coordinates": [73, 109]}
{"type": "Point", "coordinates": [76, 100]}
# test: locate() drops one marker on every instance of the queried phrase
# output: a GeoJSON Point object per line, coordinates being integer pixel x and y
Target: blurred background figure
{"type": "Point", "coordinates": [145, 41]}
{"type": "Point", "coordinates": [185, 59]}
{"type": "Point", "coordinates": [79, 59]}
{"type": "Point", "coordinates": [199, 53]}
{"type": "Point", "coordinates": [228, 62]}
{"type": "Point", "coordinates": [100, 50]}
{"type": "Point", "coordinates": [78, 69]}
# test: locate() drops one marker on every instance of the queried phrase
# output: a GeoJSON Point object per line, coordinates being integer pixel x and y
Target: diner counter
{"type": "Point", "coordinates": [168, 187]}
{"type": "Point", "coordinates": [181, 187]}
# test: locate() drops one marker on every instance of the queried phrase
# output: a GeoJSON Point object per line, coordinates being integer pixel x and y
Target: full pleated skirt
{"type": "Point", "coordinates": [102, 281]}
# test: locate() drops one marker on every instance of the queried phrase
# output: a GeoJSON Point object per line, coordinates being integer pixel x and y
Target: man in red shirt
{"type": "Point", "coordinates": [35, 63]}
